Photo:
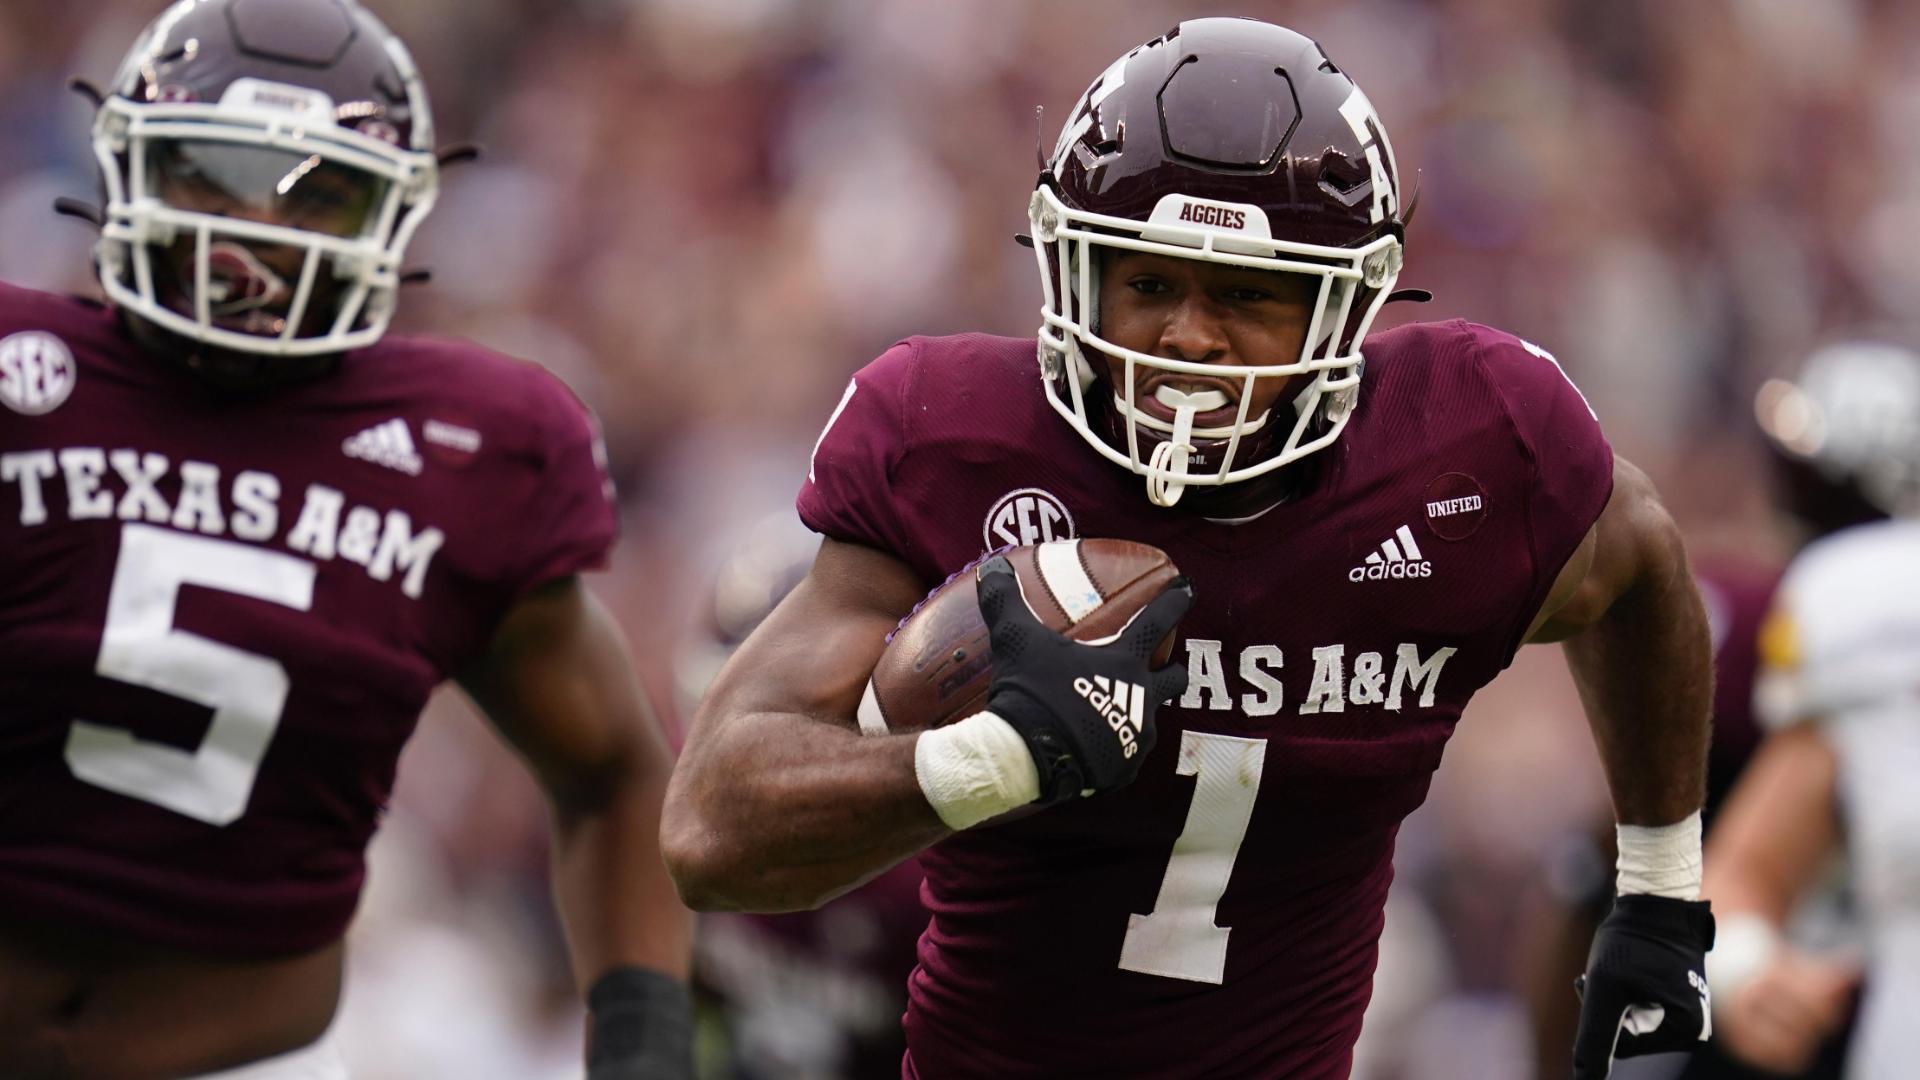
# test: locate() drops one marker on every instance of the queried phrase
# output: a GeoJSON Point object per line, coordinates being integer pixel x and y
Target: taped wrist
{"type": "Point", "coordinates": [974, 769]}
{"type": "Point", "coordinates": [640, 1025]}
{"type": "Point", "coordinates": [1661, 860]}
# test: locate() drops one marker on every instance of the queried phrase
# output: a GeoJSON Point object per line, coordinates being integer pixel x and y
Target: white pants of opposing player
{"type": "Point", "coordinates": [319, 1061]}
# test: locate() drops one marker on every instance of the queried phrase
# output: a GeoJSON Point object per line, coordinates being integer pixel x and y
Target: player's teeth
{"type": "Point", "coordinates": [1201, 400]}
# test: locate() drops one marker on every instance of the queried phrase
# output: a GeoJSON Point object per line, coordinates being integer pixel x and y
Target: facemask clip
{"type": "Point", "coordinates": [1051, 361]}
{"type": "Point", "coordinates": [1382, 266]}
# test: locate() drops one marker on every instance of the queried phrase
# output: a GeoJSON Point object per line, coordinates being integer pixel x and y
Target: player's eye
{"type": "Point", "coordinates": [1147, 285]}
{"type": "Point", "coordinates": [1248, 294]}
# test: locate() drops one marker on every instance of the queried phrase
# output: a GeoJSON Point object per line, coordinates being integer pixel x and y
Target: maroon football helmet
{"type": "Point", "coordinates": [266, 163]}
{"type": "Point", "coordinates": [1232, 141]}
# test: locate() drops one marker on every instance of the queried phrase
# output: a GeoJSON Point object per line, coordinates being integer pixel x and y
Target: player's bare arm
{"type": "Point", "coordinates": [557, 682]}
{"type": "Point", "coordinates": [1636, 639]}
{"type": "Point", "coordinates": [1776, 1003]}
{"type": "Point", "coordinates": [1629, 618]}
{"type": "Point", "coordinates": [788, 806]}
{"type": "Point", "coordinates": [778, 802]}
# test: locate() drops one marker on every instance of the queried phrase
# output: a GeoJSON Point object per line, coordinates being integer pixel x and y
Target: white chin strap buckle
{"type": "Point", "coordinates": [1167, 471]}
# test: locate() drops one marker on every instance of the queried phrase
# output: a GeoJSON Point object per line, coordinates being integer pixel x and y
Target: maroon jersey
{"type": "Point", "coordinates": [220, 615]}
{"type": "Point", "coordinates": [1219, 917]}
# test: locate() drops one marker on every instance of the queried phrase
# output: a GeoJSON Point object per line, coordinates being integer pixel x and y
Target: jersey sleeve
{"type": "Point", "coordinates": [847, 493]}
{"type": "Point", "coordinates": [1570, 459]}
{"type": "Point", "coordinates": [567, 523]}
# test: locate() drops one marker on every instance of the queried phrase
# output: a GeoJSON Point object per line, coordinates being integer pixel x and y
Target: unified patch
{"type": "Point", "coordinates": [1456, 506]}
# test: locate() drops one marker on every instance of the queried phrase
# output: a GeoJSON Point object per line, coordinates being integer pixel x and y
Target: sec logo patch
{"type": "Point", "coordinates": [1027, 516]}
{"type": "Point", "coordinates": [36, 372]}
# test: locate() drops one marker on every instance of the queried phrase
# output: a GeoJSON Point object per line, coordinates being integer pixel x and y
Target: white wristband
{"type": "Point", "coordinates": [1661, 860]}
{"type": "Point", "coordinates": [1744, 945]}
{"type": "Point", "coordinates": [974, 769]}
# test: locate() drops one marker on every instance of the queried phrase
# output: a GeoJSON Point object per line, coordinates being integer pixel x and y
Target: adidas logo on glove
{"type": "Point", "coordinates": [1122, 704]}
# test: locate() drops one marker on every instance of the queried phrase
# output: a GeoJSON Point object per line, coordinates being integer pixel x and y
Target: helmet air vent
{"type": "Point", "coordinates": [301, 34]}
{"type": "Point", "coordinates": [1228, 111]}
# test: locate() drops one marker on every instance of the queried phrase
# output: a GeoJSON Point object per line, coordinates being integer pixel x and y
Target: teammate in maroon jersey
{"type": "Point", "coordinates": [1220, 221]}
{"type": "Point", "coordinates": [242, 537]}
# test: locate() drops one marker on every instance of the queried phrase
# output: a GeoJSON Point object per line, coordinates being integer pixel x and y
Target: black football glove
{"type": "Point", "coordinates": [1086, 711]}
{"type": "Point", "coordinates": [1645, 990]}
{"type": "Point", "coordinates": [639, 1027]}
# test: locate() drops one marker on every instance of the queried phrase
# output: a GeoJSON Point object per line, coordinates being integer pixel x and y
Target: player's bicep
{"type": "Point", "coordinates": [1634, 537]}
{"type": "Point", "coordinates": [557, 681]}
{"type": "Point", "coordinates": [813, 655]}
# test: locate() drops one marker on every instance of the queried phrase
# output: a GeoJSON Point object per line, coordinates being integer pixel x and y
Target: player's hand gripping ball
{"type": "Point", "coordinates": [1067, 641]}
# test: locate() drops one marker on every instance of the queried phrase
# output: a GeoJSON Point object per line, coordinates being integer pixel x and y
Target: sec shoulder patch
{"type": "Point", "coordinates": [37, 372]}
{"type": "Point", "coordinates": [1027, 516]}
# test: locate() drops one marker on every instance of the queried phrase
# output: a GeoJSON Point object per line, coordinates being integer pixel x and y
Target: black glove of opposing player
{"type": "Point", "coordinates": [1645, 990]}
{"type": "Point", "coordinates": [1086, 711]}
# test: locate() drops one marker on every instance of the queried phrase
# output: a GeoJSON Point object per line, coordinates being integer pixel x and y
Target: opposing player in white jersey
{"type": "Point", "coordinates": [1839, 690]}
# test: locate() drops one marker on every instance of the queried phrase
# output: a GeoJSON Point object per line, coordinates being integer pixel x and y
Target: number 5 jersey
{"type": "Point", "coordinates": [221, 614]}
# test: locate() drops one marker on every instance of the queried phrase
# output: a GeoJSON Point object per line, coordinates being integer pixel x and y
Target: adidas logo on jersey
{"type": "Point", "coordinates": [389, 444]}
{"type": "Point", "coordinates": [1399, 557]}
{"type": "Point", "coordinates": [1122, 704]}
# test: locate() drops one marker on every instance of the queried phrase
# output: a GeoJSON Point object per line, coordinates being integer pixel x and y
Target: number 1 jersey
{"type": "Point", "coordinates": [1219, 917]}
{"type": "Point", "coordinates": [221, 614]}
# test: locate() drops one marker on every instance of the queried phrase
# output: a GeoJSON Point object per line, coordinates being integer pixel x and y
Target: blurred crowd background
{"type": "Point", "coordinates": [705, 214]}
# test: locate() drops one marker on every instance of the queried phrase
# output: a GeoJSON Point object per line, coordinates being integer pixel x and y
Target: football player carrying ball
{"type": "Point", "coordinates": [1372, 526]}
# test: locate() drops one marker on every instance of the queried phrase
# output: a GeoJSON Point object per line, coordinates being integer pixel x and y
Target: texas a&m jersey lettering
{"type": "Point", "coordinates": [254, 506]}
{"type": "Point", "coordinates": [1181, 937]}
{"type": "Point", "coordinates": [164, 546]}
{"type": "Point", "coordinates": [1368, 678]}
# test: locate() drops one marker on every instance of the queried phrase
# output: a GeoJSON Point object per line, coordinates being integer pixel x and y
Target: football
{"type": "Point", "coordinates": [938, 665]}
